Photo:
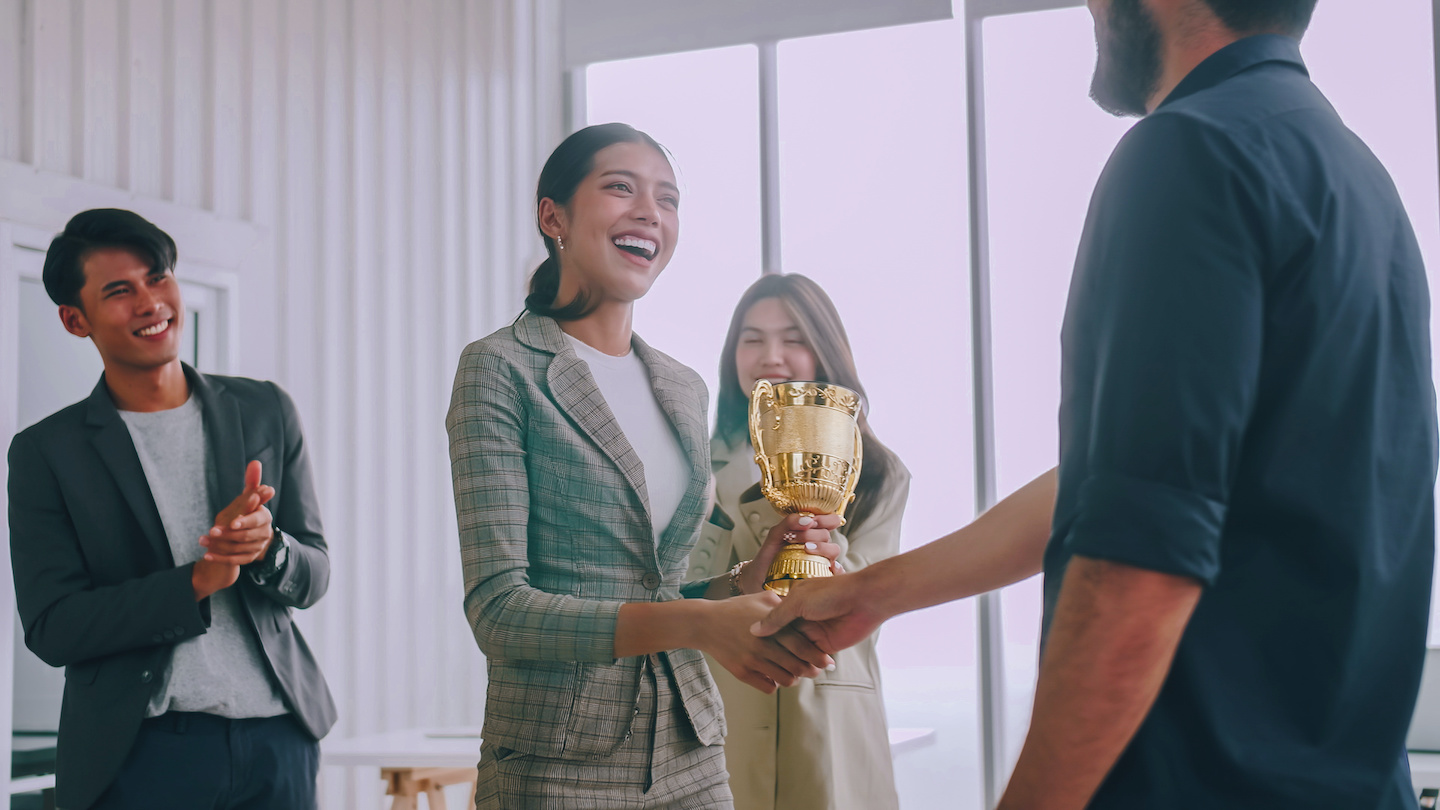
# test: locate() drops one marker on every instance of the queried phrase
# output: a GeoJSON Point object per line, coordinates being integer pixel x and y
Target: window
{"type": "Point", "coordinates": [703, 106]}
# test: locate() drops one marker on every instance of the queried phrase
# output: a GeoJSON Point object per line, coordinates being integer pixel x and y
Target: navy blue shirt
{"type": "Point", "coordinates": [1247, 400]}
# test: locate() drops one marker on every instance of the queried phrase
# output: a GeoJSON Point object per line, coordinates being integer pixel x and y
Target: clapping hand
{"type": "Point", "coordinates": [241, 535]}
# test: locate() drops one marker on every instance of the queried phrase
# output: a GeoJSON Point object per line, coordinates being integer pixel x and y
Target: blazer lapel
{"type": "Point", "coordinates": [116, 449]}
{"type": "Point", "coordinates": [687, 417]}
{"type": "Point", "coordinates": [733, 482]}
{"type": "Point", "coordinates": [224, 439]}
{"type": "Point", "coordinates": [575, 391]}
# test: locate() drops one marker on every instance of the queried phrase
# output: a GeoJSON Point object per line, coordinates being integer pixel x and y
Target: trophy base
{"type": "Point", "coordinates": [792, 563]}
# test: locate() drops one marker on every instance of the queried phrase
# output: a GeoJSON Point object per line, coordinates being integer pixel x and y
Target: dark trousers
{"type": "Point", "coordinates": [189, 761]}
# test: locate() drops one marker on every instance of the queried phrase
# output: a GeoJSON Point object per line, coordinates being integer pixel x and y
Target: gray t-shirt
{"type": "Point", "coordinates": [221, 672]}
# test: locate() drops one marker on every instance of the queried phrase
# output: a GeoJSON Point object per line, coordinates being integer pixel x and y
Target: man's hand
{"type": "Point", "coordinates": [812, 531]}
{"type": "Point", "coordinates": [762, 663]}
{"type": "Point", "coordinates": [241, 534]}
{"type": "Point", "coordinates": [833, 613]}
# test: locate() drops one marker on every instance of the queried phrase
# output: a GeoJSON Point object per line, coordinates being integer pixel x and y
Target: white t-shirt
{"type": "Point", "coordinates": [625, 384]}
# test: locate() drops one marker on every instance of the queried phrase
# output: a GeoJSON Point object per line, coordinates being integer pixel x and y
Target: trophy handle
{"type": "Point", "coordinates": [761, 397]}
{"type": "Point", "coordinates": [854, 478]}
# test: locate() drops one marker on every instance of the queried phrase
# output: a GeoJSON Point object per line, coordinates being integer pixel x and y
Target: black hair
{"type": "Point", "coordinates": [1289, 17]}
{"type": "Point", "coordinates": [100, 229]}
{"type": "Point", "coordinates": [568, 165]}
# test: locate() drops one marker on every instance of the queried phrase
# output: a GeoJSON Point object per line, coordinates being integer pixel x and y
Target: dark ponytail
{"type": "Point", "coordinates": [569, 164]}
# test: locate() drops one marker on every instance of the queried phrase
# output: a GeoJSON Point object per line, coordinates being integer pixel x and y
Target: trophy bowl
{"type": "Point", "coordinates": [806, 437]}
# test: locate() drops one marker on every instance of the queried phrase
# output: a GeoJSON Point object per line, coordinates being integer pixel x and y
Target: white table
{"type": "Point", "coordinates": [423, 761]}
{"type": "Point", "coordinates": [1424, 770]}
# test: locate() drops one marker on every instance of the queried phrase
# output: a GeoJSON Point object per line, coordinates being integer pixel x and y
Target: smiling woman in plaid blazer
{"type": "Point", "coordinates": [581, 470]}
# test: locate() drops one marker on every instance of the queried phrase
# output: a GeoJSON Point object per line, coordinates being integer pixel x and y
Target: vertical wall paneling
{"type": "Point", "coordinates": [365, 562]}
{"type": "Point", "coordinates": [9, 407]}
{"type": "Point", "coordinates": [12, 79]}
{"type": "Point", "coordinates": [147, 135]}
{"type": "Point", "coordinates": [336, 399]}
{"type": "Point", "coordinates": [227, 69]}
{"type": "Point", "coordinates": [394, 231]}
{"type": "Point", "coordinates": [449, 650]}
{"type": "Point", "coordinates": [95, 131]}
{"type": "Point", "coordinates": [188, 46]}
{"type": "Point", "coordinates": [500, 204]}
{"type": "Point", "coordinates": [51, 88]}
{"type": "Point", "coordinates": [386, 153]}
{"type": "Point", "coordinates": [424, 328]}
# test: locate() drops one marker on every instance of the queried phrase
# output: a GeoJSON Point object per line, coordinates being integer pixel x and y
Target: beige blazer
{"type": "Point", "coordinates": [821, 744]}
{"type": "Point", "coordinates": [555, 534]}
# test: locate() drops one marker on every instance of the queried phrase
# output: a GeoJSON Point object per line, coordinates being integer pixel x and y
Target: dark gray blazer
{"type": "Point", "coordinates": [97, 587]}
{"type": "Point", "coordinates": [555, 534]}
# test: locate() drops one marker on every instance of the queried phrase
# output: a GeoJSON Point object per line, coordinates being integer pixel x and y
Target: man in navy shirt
{"type": "Point", "coordinates": [1237, 573]}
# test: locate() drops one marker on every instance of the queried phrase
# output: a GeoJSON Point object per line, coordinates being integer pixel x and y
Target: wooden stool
{"type": "Point", "coordinates": [406, 785]}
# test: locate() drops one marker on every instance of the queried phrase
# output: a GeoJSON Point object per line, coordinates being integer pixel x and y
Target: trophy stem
{"type": "Point", "coordinates": [795, 563]}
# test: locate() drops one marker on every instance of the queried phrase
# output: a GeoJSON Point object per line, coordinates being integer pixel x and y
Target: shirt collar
{"type": "Point", "coordinates": [1235, 58]}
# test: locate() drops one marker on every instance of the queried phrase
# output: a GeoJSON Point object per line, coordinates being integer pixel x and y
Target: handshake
{"type": "Point", "coordinates": [768, 641]}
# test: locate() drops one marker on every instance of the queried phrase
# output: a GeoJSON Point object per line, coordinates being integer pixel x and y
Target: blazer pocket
{"type": "Point", "coordinates": [503, 754]}
{"type": "Point", "coordinates": [719, 518]}
{"type": "Point", "coordinates": [264, 455]}
{"type": "Point", "coordinates": [845, 686]}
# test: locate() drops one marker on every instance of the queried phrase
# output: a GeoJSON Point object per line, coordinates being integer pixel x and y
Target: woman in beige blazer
{"type": "Point", "coordinates": [821, 744]}
{"type": "Point", "coordinates": [581, 472]}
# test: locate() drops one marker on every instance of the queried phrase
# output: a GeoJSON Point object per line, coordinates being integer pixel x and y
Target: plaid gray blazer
{"type": "Point", "coordinates": [555, 535]}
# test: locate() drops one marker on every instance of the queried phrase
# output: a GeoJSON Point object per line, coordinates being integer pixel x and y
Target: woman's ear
{"type": "Point", "coordinates": [552, 219]}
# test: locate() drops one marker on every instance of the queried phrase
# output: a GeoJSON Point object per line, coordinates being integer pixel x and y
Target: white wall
{"type": "Point", "coordinates": [386, 152]}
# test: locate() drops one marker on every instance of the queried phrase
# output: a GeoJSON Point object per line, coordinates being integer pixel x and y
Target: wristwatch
{"type": "Point", "coordinates": [277, 554]}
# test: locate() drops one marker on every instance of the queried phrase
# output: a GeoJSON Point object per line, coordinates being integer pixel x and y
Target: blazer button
{"type": "Point", "coordinates": [651, 581]}
{"type": "Point", "coordinates": [754, 517]}
{"type": "Point", "coordinates": [147, 676]}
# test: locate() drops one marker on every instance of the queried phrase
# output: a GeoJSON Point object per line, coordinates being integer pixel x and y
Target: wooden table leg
{"type": "Point", "coordinates": [406, 785]}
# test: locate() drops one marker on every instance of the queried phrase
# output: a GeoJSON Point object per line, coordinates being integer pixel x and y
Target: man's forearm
{"type": "Point", "coordinates": [1001, 547]}
{"type": "Point", "coordinates": [1111, 643]}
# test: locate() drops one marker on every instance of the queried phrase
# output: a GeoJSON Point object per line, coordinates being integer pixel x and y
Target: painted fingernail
{"type": "Point", "coordinates": [830, 668]}
{"type": "Point", "coordinates": [235, 525]}
{"type": "Point", "coordinates": [805, 520]}
{"type": "Point", "coordinates": [216, 531]}
{"type": "Point", "coordinates": [810, 546]}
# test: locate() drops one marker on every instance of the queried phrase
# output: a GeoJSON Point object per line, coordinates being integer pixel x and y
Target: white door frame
{"type": "Point", "coordinates": [35, 205]}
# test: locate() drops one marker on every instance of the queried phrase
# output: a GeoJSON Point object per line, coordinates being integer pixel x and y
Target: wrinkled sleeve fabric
{"type": "Point", "coordinates": [1165, 337]}
{"type": "Point", "coordinates": [67, 618]}
{"type": "Point", "coordinates": [510, 618]}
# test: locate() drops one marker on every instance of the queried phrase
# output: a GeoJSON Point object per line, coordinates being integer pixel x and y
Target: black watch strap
{"type": "Point", "coordinates": [276, 556]}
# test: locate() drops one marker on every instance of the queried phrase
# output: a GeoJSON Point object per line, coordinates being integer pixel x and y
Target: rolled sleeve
{"type": "Point", "coordinates": [1148, 525]}
{"type": "Point", "coordinates": [1163, 348]}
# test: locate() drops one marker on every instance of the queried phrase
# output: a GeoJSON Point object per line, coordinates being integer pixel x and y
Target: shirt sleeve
{"type": "Point", "coordinates": [510, 618]}
{"type": "Point", "coordinates": [1163, 347]}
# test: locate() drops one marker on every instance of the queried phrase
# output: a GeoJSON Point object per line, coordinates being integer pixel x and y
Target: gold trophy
{"type": "Point", "coordinates": [806, 437]}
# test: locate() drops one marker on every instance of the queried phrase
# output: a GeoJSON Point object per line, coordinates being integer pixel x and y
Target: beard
{"type": "Point", "coordinates": [1127, 65]}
